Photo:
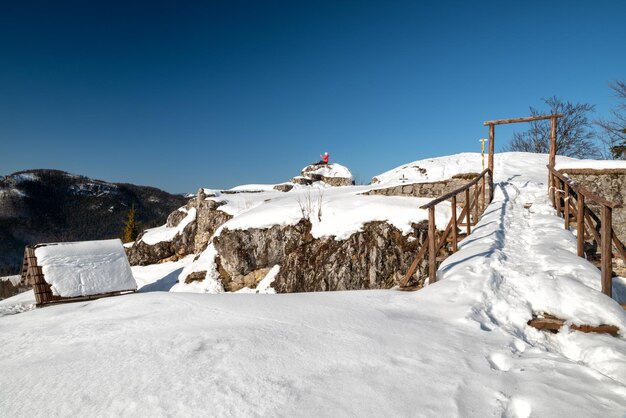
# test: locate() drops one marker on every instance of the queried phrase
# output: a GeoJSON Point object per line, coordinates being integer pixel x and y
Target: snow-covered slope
{"type": "Point", "coordinates": [460, 347]}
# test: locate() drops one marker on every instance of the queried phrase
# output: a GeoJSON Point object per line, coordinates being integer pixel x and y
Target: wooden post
{"type": "Point", "coordinates": [566, 199]}
{"type": "Point", "coordinates": [580, 225]}
{"type": "Point", "coordinates": [476, 192]}
{"type": "Point", "coordinates": [552, 158]}
{"type": "Point", "coordinates": [552, 141]}
{"type": "Point", "coordinates": [467, 213]}
{"type": "Point", "coordinates": [432, 255]}
{"type": "Point", "coordinates": [492, 134]}
{"type": "Point", "coordinates": [557, 196]}
{"type": "Point", "coordinates": [482, 199]}
{"type": "Point", "coordinates": [606, 250]}
{"type": "Point", "coordinates": [455, 237]}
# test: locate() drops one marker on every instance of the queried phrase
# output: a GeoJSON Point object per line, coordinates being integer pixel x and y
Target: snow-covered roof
{"type": "Point", "coordinates": [85, 268]}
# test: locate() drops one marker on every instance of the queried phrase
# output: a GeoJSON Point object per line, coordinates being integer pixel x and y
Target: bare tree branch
{"type": "Point", "coordinates": [574, 134]}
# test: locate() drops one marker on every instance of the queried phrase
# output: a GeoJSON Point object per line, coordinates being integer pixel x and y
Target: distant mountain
{"type": "Point", "coordinates": [51, 205]}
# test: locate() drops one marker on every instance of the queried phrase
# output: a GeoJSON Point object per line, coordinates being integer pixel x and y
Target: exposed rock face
{"type": "Point", "coordinates": [244, 251]}
{"type": "Point", "coordinates": [609, 184]}
{"type": "Point", "coordinates": [192, 240]}
{"type": "Point", "coordinates": [142, 254]}
{"type": "Point", "coordinates": [375, 258]}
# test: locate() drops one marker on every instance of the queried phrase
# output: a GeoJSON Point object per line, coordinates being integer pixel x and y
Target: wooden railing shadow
{"type": "Point", "coordinates": [571, 202]}
{"type": "Point", "coordinates": [436, 241]}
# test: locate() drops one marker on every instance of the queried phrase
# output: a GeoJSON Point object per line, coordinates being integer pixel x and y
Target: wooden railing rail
{"type": "Point", "coordinates": [562, 192]}
{"type": "Point", "coordinates": [473, 207]}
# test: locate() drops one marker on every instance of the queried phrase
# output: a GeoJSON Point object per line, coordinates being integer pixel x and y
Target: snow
{"type": "Point", "coordinates": [85, 268]}
{"type": "Point", "coordinates": [459, 347]}
{"type": "Point", "coordinates": [330, 170]}
{"type": "Point", "coordinates": [253, 187]}
{"type": "Point", "coordinates": [592, 164]}
{"type": "Point", "coordinates": [163, 233]}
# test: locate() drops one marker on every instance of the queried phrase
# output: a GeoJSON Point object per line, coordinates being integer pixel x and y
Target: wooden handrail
{"type": "Point", "coordinates": [455, 191]}
{"type": "Point", "coordinates": [516, 120]}
{"type": "Point", "coordinates": [604, 235]}
{"type": "Point", "coordinates": [584, 191]}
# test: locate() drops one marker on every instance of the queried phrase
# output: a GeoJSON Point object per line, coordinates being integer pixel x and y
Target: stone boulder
{"type": "Point", "coordinates": [331, 174]}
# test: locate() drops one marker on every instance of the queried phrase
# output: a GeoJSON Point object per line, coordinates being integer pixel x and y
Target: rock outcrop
{"type": "Point", "coordinates": [193, 239]}
{"type": "Point", "coordinates": [331, 174]}
{"type": "Point", "coordinates": [374, 258]}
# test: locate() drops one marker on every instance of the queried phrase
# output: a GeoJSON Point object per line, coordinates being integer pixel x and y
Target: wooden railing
{"type": "Point", "coordinates": [589, 225]}
{"type": "Point", "coordinates": [472, 209]}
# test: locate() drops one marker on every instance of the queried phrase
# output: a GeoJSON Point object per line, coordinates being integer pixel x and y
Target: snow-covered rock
{"type": "Point", "coordinates": [332, 174]}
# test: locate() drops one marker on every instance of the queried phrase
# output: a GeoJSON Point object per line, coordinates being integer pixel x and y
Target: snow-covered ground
{"type": "Point", "coordinates": [460, 347]}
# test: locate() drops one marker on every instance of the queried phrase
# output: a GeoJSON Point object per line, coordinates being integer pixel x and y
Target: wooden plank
{"type": "Point", "coordinates": [432, 255]}
{"type": "Point", "coordinates": [476, 194]}
{"type": "Point", "coordinates": [621, 250]}
{"type": "Point", "coordinates": [552, 158]}
{"type": "Point", "coordinates": [525, 119]}
{"type": "Point", "coordinates": [455, 236]}
{"type": "Point", "coordinates": [59, 300]}
{"type": "Point", "coordinates": [555, 324]}
{"type": "Point", "coordinates": [567, 202]}
{"type": "Point", "coordinates": [607, 254]}
{"type": "Point", "coordinates": [580, 225]}
{"type": "Point", "coordinates": [413, 267]}
{"type": "Point", "coordinates": [467, 213]}
{"type": "Point", "coordinates": [591, 227]}
{"type": "Point", "coordinates": [492, 150]}
{"type": "Point", "coordinates": [482, 199]}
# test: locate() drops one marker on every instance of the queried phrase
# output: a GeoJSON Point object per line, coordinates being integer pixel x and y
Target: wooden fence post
{"type": "Point", "coordinates": [455, 238]}
{"type": "Point", "coordinates": [476, 204]}
{"type": "Point", "coordinates": [580, 225]}
{"type": "Point", "coordinates": [566, 200]}
{"type": "Point", "coordinates": [467, 212]}
{"type": "Point", "coordinates": [606, 250]}
{"type": "Point", "coordinates": [432, 255]}
{"type": "Point", "coordinates": [492, 135]}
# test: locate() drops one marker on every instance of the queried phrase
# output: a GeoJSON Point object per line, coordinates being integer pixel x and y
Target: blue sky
{"type": "Point", "coordinates": [180, 95]}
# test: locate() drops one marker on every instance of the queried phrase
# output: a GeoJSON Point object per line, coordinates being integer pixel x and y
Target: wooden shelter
{"type": "Point", "coordinates": [107, 282]}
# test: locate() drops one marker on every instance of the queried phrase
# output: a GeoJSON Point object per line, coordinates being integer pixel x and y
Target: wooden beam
{"type": "Point", "coordinates": [619, 247]}
{"type": "Point", "coordinates": [432, 255]}
{"type": "Point", "coordinates": [550, 323]}
{"type": "Point", "coordinates": [606, 251]}
{"type": "Point", "coordinates": [552, 159]}
{"type": "Point", "coordinates": [492, 148]}
{"type": "Point", "coordinates": [580, 225]}
{"type": "Point", "coordinates": [455, 235]}
{"type": "Point", "coordinates": [566, 197]}
{"type": "Point", "coordinates": [517, 120]}
{"type": "Point", "coordinates": [467, 214]}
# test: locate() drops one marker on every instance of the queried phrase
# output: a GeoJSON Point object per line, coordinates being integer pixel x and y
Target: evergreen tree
{"type": "Point", "coordinates": [131, 229]}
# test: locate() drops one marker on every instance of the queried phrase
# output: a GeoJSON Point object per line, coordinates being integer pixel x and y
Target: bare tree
{"type": "Point", "coordinates": [614, 129]}
{"type": "Point", "coordinates": [574, 134]}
